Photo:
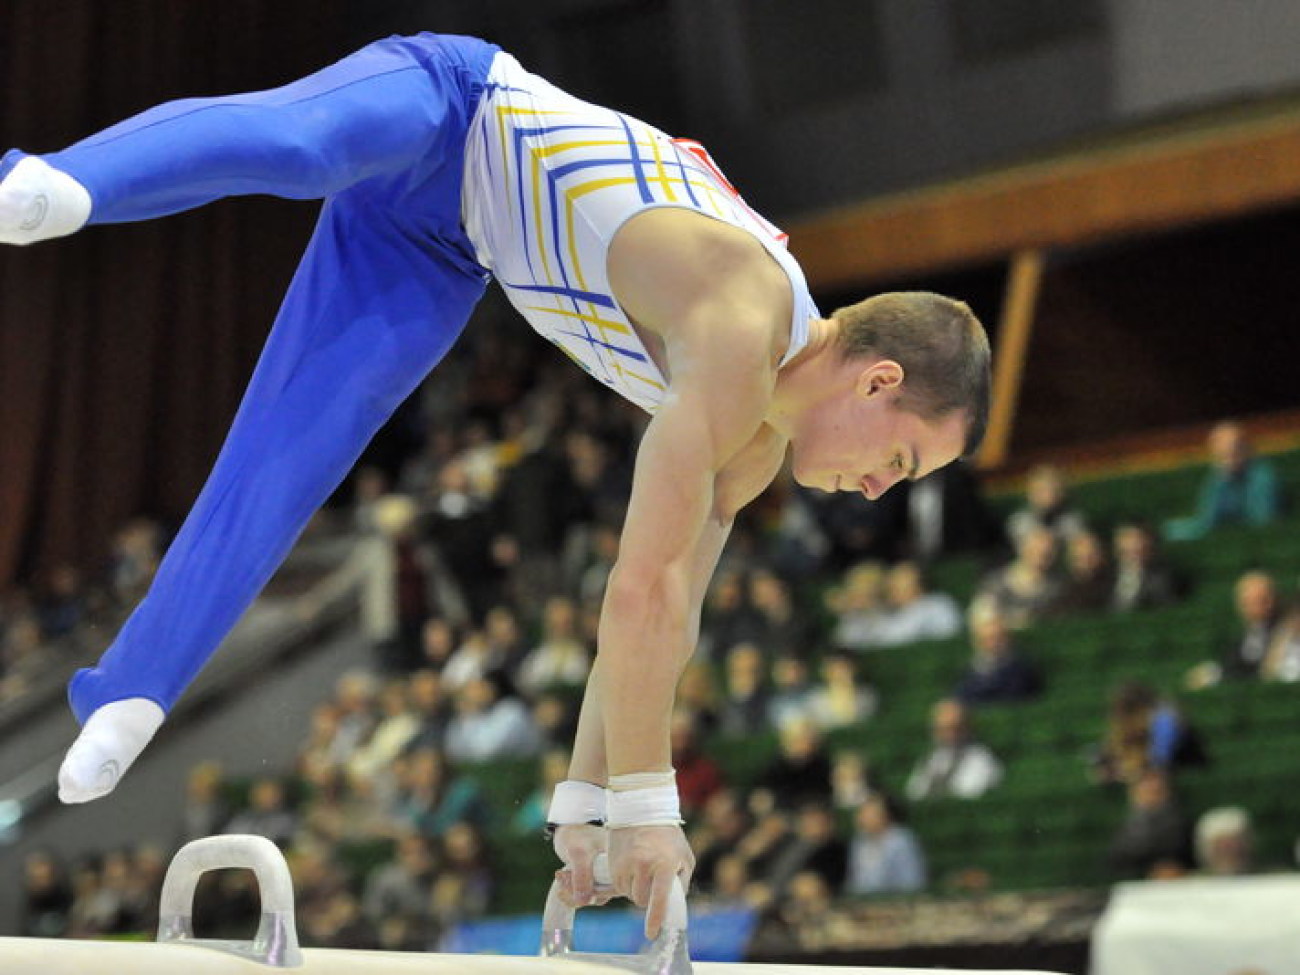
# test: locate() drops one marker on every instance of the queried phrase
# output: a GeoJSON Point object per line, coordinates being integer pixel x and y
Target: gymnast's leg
{"type": "Point", "coordinates": [384, 112]}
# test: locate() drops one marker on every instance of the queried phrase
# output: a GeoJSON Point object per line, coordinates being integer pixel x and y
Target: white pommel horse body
{"type": "Point", "coordinates": [275, 944]}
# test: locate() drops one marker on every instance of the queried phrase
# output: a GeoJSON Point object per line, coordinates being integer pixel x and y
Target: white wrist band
{"type": "Point", "coordinates": [574, 803]}
{"type": "Point", "coordinates": [643, 799]}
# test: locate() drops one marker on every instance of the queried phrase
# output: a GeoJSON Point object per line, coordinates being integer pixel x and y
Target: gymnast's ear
{"type": "Point", "coordinates": [879, 377]}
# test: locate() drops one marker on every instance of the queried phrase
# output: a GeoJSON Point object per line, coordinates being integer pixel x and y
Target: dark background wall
{"type": "Point", "coordinates": [123, 351]}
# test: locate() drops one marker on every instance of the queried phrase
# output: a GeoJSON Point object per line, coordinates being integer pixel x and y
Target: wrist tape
{"type": "Point", "coordinates": [643, 799]}
{"type": "Point", "coordinates": [575, 803]}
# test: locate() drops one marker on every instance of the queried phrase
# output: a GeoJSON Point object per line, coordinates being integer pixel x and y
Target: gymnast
{"type": "Point", "coordinates": [442, 163]}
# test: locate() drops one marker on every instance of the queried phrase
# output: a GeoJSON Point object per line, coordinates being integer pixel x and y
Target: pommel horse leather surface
{"type": "Point", "coordinates": [42, 956]}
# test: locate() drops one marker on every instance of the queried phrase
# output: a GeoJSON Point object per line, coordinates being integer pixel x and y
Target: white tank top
{"type": "Point", "coordinates": [549, 179]}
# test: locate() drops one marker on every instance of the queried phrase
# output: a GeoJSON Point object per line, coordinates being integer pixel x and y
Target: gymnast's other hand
{"type": "Point", "coordinates": [643, 861]}
{"type": "Point", "coordinates": [578, 846]}
{"type": "Point", "coordinates": [111, 740]}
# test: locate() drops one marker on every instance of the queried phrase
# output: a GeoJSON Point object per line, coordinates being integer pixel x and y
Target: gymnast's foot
{"type": "Point", "coordinates": [111, 740]}
{"type": "Point", "coordinates": [38, 202]}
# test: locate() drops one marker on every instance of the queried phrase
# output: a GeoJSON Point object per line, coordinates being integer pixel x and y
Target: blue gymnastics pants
{"type": "Point", "coordinates": [384, 289]}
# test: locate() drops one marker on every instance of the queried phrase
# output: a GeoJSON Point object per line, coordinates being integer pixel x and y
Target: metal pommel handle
{"type": "Point", "coordinates": [276, 941]}
{"type": "Point", "coordinates": [668, 954]}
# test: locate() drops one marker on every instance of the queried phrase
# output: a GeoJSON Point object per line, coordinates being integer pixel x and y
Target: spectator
{"type": "Point", "coordinates": [556, 718]}
{"type": "Point", "coordinates": [1225, 842]}
{"type": "Point", "coordinates": [403, 886]}
{"type": "Point", "coordinates": [698, 776]}
{"type": "Point", "coordinates": [745, 707]}
{"type": "Point", "coordinates": [958, 765]}
{"type": "Point", "coordinates": [464, 887]}
{"type": "Point", "coordinates": [812, 846]}
{"type": "Point", "coordinates": [841, 699]}
{"type": "Point", "coordinates": [488, 725]}
{"type": "Point", "coordinates": [47, 896]}
{"type": "Point", "coordinates": [1238, 489]}
{"type": "Point", "coordinates": [399, 579]}
{"type": "Point", "coordinates": [946, 515]}
{"type": "Point", "coordinates": [398, 725]}
{"type": "Point", "coordinates": [530, 818]}
{"type": "Point", "coordinates": [431, 708]}
{"type": "Point", "coordinates": [723, 825]}
{"type": "Point", "coordinates": [801, 770]}
{"type": "Point", "coordinates": [1282, 660]}
{"type": "Point", "coordinates": [913, 613]}
{"type": "Point", "coordinates": [858, 607]}
{"type": "Point", "coordinates": [439, 640]}
{"type": "Point", "coordinates": [780, 629]}
{"type": "Point", "coordinates": [460, 521]}
{"type": "Point", "coordinates": [355, 696]}
{"type": "Point", "coordinates": [1154, 835]}
{"type": "Point", "coordinates": [852, 782]}
{"type": "Point", "coordinates": [1145, 732]}
{"type": "Point", "coordinates": [431, 797]}
{"type": "Point", "coordinates": [1047, 505]}
{"type": "Point", "coordinates": [476, 657]}
{"type": "Point", "coordinates": [267, 814]}
{"type": "Point", "coordinates": [62, 603]}
{"type": "Point", "coordinates": [998, 674]}
{"type": "Point", "coordinates": [729, 618]}
{"type": "Point", "coordinates": [792, 691]}
{"type": "Point", "coordinates": [1029, 587]}
{"type": "Point", "coordinates": [1142, 580]}
{"type": "Point", "coordinates": [1090, 579]}
{"type": "Point", "coordinates": [697, 692]}
{"type": "Point", "coordinates": [884, 854]}
{"type": "Point", "coordinates": [207, 807]}
{"type": "Point", "coordinates": [1259, 613]}
{"type": "Point", "coordinates": [560, 658]}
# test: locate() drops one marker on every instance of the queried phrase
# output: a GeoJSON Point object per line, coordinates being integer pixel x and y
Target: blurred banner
{"type": "Point", "coordinates": [715, 935]}
{"type": "Point", "coordinates": [1221, 926]}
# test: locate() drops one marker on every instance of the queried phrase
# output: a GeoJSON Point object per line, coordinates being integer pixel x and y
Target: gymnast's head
{"type": "Point", "coordinates": [899, 387]}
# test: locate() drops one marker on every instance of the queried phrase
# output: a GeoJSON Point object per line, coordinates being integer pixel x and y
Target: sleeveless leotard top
{"type": "Point", "coordinates": [549, 179]}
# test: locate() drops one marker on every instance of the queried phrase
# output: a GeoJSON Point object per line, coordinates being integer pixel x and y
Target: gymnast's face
{"type": "Point", "coordinates": [863, 438]}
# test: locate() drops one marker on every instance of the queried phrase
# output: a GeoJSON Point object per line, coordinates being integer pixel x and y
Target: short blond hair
{"type": "Point", "coordinates": [941, 345]}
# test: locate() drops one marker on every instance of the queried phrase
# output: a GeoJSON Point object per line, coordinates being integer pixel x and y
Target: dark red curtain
{"type": "Point", "coordinates": [124, 350]}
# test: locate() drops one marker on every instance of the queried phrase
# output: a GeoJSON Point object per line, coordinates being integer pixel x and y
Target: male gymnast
{"type": "Point", "coordinates": [442, 162]}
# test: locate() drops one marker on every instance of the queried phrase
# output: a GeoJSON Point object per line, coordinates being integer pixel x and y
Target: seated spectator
{"type": "Point", "coordinates": [841, 699]}
{"type": "Point", "coordinates": [699, 777]}
{"type": "Point", "coordinates": [852, 781]}
{"type": "Point", "coordinates": [556, 719]}
{"type": "Point", "coordinates": [1282, 660]}
{"type": "Point", "coordinates": [723, 824]}
{"type": "Point", "coordinates": [46, 896]}
{"type": "Point", "coordinates": [1144, 732]}
{"type": "Point", "coordinates": [1225, 842]}
{"type": "Point", "coordinates": [728, 617]}
{"type": "Point", "coordinates": [430, 706]}
{"type": "Point", "coordinates": [488, 725]}
{"type": "Point", "coordinates": [1090, 579]}
{"type": "Point", "coordinates": [697, 692]}
{"type": "Point", "coordinates": [431, 797]}
{"type": "Point", "coordinates": [1260, 616]}
{"type": "Point", "coordinates": [475, 657]}
{"type": "Point", "coordinates": [958, 765]}
{"type": "Point", "coordinates": [792, 691]}
{"type": "Point", "coordinates": [560, 658]}
{"type": "Point", "coordinates": [398, 725]}
{"type": "Point", "coordinates": [885, 856]}
{"type": "Point", "coordinates": [355, 696]}
{"type": "Point", "coordinates": [530, 818]}
{"type": "Point", "coordinates": [801, 770]}
{"type": "Point", "coordinates": [1154, 836]}
{"type": "Point", "coordinates": [813, 846]}
{"type": "Point", "coordinates": [1142, 580]}
{"type": "Point", "coordinates": [1239, 488]}
{"type": "Point", "coordinates": [997, 674]}
{"type": "Point", "coordinates": [268, 813]}
{"type": "Point", "coordinates": [858, 606]}
{"type": "Point", "coordinates": [464, 887]}
{"type": "Point", "coordinates": [744, 708]}
{"type": "Point", "coordinates": [207, 807]}
{"type": "Point", "coordinates": [1047, 505]}
{"type": "Point", "coordinates": [402, 887]}
{"type": "Point", "coordinates": [780, 628]}
{"type": "Point", "coordinates": [912, 613]}
{"type": "Point", "coordinates": [61, 605]}
{"type": "Point", "coordinates": [1027, 588]}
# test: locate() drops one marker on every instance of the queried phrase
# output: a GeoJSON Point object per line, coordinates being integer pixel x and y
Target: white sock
{"type": "Point", "coordinates": [38, 202]}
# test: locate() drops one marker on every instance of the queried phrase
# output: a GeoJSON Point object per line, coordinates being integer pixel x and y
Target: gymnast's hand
{"type": "Point", "coordinates": [578, 846]}
{"type": "Point", "coordinates": [111, 740]}
{"type": "Point", "coordinates": [643, 861]}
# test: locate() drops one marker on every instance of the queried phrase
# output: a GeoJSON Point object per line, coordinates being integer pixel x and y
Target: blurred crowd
{"type": "Point", "coordinates": [487, 520]}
